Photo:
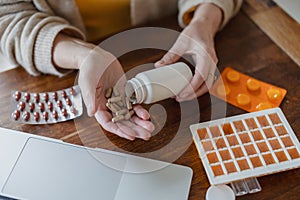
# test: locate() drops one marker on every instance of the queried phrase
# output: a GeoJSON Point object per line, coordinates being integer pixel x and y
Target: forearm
{"type": "Point", "coordinates": [69, 52]}
{"type": "Point", "coordinates": [208, 17]}
{"type": "Point", "coordinates": [187, 7]}
{"type": "Point", "coordinates": [21, 19]}
{"type": "Point", "coordinates": [72, 53]}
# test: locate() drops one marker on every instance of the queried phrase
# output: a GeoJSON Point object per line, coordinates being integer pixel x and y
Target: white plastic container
{"type": "Point", "coordinates": [219, 192]}
{"type": "Point", "coordinates": [158, 84]}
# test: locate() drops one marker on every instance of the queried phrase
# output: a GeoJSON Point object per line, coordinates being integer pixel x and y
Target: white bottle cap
{"type": "Point", "coordinates": [220, 192]}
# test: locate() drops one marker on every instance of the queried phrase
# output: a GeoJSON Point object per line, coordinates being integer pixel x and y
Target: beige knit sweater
{"type": "Point", "coordinates": [29, 27]}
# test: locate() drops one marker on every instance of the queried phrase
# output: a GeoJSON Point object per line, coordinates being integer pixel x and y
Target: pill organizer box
{"type": "Point", "coordinates": [246, 146]}
{"type": "Point", "coordinates": [246, 92]}
{"type": "Point", "coordinates": [46, 107]}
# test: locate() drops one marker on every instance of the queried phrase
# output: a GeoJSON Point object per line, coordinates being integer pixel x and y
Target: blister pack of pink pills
{"type": "Point", "coordinates": [46, 107]}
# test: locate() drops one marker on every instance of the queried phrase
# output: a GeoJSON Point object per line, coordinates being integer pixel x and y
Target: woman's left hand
{"type": "Point", "coordinates": [197, 40]}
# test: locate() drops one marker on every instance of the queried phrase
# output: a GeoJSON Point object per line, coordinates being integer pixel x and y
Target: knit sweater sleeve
{"type": "Point", "coordinates": [28, 30]}
{"type": "Point", "coordinates": [187, 7]}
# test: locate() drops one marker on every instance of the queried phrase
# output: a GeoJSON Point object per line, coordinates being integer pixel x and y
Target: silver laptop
{"type": "Point", "coordinates": [35, 168]}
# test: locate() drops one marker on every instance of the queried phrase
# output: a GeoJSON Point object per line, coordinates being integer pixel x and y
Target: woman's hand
{"type": "Point", "coordinates": [197, 40]}
{"type": "Point", "coordinates": [99, 70]}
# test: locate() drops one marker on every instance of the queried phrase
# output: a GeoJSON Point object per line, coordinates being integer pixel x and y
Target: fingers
{"type": "Point", "coordinates": [202, 89]}
{"type": "Point", "coordinates": [104, 119]}
{"type": "Point", "coordinates": [140, 132]}
{"type": "Point", "coordinates": [173, 55]}
{"type": "Point", "coordinates": [167, 59]}
{"type": "Point", "coordinates": [189, 91]}
{"type": "Point", "coordinates": [141, 112]}
{"type": "Point", "coordinates": [88, 92]}
{"type": "Point", "coordinates": [203, 78]}
{"type": "Point", "coordinates": [149, 126]}
{"type": "Point", "coordinates": [136, 128]}
{"type": "Point", "coordinates": [208, 84]}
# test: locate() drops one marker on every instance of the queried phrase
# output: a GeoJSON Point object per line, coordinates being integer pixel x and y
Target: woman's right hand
{"type": "Point", "coordinates": [98, 71]}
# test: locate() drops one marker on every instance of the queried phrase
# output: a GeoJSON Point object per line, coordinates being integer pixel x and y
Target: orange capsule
{"type": "Point", "coordinates": [263, 106]}
{"type": "Point", "coordinates": [223, 90]}
{"type": "Point", "coordinates": [233, 76]}
{"type": "Point", "coordinates": [253, 85]}
{"type": "Point", "coordinates": [243, 99]}
{"type": "Point", "coordinates": [274, 94]}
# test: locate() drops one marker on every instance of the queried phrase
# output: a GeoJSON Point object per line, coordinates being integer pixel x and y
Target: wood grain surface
{"type": "Point", "coordinates": [241, 45]}
{"type": "Point", "coordinates": [277, 24]}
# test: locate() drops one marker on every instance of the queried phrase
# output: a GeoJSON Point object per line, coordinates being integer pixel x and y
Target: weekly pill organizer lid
{"type": "Point", "coordinates": [34, 167]}
{"type": "Point", "coordinates": [248, 145]}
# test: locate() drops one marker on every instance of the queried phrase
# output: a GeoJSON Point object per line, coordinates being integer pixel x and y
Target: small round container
{"type": "Point", "coordinates": [220, 192]}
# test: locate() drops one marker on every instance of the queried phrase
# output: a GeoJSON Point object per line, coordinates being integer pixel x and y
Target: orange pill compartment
{"type": "Point", "coordinates": [246, 146]}
{"type": "Point", "coordinates": [246, 92]}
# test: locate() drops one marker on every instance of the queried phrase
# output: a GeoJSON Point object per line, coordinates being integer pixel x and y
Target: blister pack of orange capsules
{"type": "Point", "coordinates": [246, 92]}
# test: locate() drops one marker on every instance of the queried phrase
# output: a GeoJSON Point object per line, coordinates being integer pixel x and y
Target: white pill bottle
{"type": "Point", "coordinates": [158, 84]}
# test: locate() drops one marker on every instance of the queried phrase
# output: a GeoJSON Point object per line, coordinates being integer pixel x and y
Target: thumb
{"type": "Point", "coordinates": [88, 95]}
{"type": "Point", "coordinates": [88, 86]}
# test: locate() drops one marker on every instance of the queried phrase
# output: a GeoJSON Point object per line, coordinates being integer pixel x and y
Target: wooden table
{"type": "Point", "coordinates": [241, 45]}
{"type": "Point", "coordinates": [277, 24]}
